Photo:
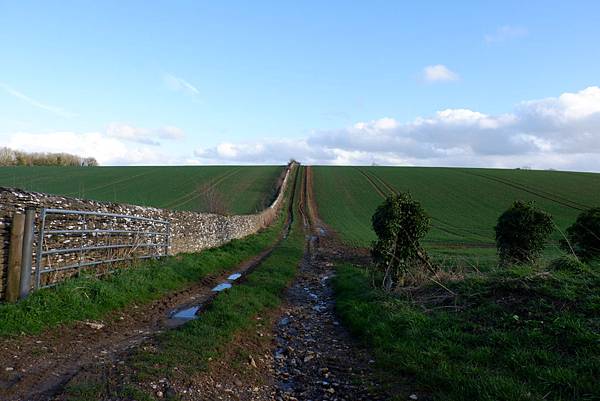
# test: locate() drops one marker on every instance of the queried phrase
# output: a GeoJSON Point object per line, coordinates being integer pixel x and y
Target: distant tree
{"type": "Point", "coordinates": [399, 223]}
{"type": "Point", "coordinates": [90, 162]}
{"type": "Point", "coordinates": [584, 235]}
{"type": "Point", "coordinates": [9, 157]}
{"type": "Point", "coordinates": [521, 233]}
{"type": "Point", "coordinates": [211, 200]}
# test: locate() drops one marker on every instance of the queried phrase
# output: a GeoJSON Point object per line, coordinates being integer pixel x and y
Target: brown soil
{"type": "Point", "coordinates": [36, 367]}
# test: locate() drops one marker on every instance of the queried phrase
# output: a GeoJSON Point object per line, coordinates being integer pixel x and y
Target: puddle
{"type": "Point", "coordinates": [186, 314]}
{"type": "Point", "coordinates": [234, 276]}
{"type": "Point", "coordinates": [221, 287]}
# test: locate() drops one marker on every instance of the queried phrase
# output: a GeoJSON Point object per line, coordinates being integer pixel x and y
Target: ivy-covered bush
{"type": "Point", "coordinates": [584, 235]}
{"type": "Point", "coordinates": [400, 222]}
{"type": "Point", "coordinates": [521, 233]}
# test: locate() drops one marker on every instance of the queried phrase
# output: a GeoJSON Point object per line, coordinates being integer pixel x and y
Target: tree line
{"type": "Point", "coordinates": [10, 157]}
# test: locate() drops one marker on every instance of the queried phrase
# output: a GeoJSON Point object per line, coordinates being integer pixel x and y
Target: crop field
{"type": "Point", "coordinates": [464, 203]}
{"type": "Point", "coordinates": [241, 189]}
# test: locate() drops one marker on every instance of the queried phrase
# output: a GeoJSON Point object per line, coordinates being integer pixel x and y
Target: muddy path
{"type": "Point", "coordinates": [315, 358]}
{"type": "Point", "coordinates": [37, 367]}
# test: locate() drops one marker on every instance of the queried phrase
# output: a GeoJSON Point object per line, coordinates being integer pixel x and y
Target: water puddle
{"type": "Point", "coordinates": [234, 276]}
{"type": "Point", "coordinates": [186, 314]}
{"type": "Point", "coordinates": [222, 287]}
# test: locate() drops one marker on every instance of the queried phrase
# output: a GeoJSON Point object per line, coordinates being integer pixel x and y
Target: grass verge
{"type": "Point", "coordinates": [523, 333]}
{"type": "Point", "coordinates": [88, 297]}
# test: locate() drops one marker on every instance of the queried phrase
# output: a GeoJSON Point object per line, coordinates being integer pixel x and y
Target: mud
{"type": "Point", "coordinates": [36, 367]}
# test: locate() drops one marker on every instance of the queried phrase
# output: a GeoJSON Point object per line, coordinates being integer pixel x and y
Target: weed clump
{"type": "Point", "coordinates": [567, 263]}
{"type": "Point", "coordinates": [583, 237]}
{"type": "Point", "coordinates": [521, 233]}
{"type": "Point", "coordinates": [399, 223]}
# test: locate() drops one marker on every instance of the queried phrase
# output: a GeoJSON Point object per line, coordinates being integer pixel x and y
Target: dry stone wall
{"type": "Point", "coordinates": [189, 231]}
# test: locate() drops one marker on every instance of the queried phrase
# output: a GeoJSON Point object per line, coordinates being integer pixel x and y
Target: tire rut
{"type": "Point", "coordinates": [42, 365]}
{"type": "Point", "coordinates": [315, 356]}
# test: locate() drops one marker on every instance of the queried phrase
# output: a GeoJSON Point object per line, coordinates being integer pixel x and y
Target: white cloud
{"type": "Point", "coordinates": [179, 85]}
{"type": "Point", "coordinates": [143, 135]}
{"type": "Point", "coordinates": [93, 144]}
{"type": "Point", "coordinates": [36, 103]}
{"type": "Point", "coordinates": [504, 33]}
{"type": "Point", "coordinates": [439, 73]}
{"type": "Point", "coordinates": [120, 144]}
{"type": "Point", "coordinates": [561, 132]}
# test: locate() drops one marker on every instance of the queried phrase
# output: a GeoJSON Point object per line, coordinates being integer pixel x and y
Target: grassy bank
{"type": "Point", "coordinates": [91, 298]}
{"type": "Point", "coordinates": [519, 334]}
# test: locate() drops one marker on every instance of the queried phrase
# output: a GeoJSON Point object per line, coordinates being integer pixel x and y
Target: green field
{"type": "Point", "coordinates": [464, 203]}
{"type": "Point", "coordinates": [243, 189]}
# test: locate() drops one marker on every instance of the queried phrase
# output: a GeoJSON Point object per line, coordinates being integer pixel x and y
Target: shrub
{"type": "Point", "coordinates": [399, 223]}
{"type": "Point", "coordinates": [584, 235]}
{"type": "Point", "coordinates": [211, 200]}
{"type": "Point", "coordinates": [521, 233]}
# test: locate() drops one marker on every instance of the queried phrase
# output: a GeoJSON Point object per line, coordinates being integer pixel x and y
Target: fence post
{"type": "Point", "coordinates": [27, 253]}
{"type": "Point", "coordinates": [38, 253]}
{"type": "Point", "coordinates": [14, 257]}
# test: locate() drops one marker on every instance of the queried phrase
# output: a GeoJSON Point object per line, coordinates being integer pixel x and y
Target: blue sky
{"type": "Point", "coordinates": [190, 82]}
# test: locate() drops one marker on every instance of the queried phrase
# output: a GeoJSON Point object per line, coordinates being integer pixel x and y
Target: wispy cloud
{"type": "Point", "coordinates": [439, 73]}
{"type": "Point", "coordinates": [143, 135]}
{"type": "Point", "coordinates": [180, 85]}
{"type": "Point", "coordinates": [36, 103]}
{"type": "Point", "coordinates": [504, 33]}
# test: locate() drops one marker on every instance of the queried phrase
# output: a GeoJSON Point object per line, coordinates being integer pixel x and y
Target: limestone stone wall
{"type": "Point", "coordinates": [190, 231]}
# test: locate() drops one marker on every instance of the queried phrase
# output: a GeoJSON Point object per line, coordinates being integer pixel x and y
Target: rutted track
{"type": "Point", "coordinates": [315, 357]}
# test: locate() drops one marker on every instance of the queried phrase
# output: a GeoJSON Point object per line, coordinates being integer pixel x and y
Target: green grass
{"type": "Point", "coordinates": [92, 298]}
{"type": "Point", "coordinates": [518, 334]}
{"type": "Point", "coordinates": [245, 189]}
{"type": "Point", "coordinates": [464, 203]}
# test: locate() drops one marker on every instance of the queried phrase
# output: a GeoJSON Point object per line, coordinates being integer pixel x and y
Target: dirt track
{"type": "Point", "coordinates": [315, 357]}
{"type": "Point", "coordinates": [40, 365]}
